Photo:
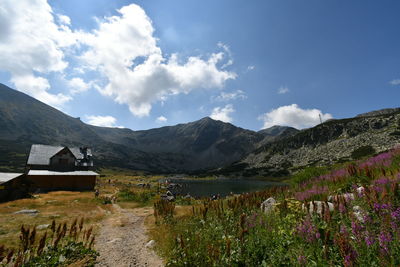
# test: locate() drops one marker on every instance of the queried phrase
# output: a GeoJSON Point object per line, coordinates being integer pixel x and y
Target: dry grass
{"type": "Point", "coordinates": [60, 205]}
{"type": "Point", "coordinates": [66, 205]}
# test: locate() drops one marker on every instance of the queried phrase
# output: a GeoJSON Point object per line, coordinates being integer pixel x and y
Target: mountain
{"type": "Point", "coordinates": [330, 142]}
{"type": "Point", "coordinates": [195, 146]}
{"type": "Point", "coordinates": [199, 146]}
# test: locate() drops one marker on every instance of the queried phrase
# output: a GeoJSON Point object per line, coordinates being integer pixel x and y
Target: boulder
{"type": "Point", "coordinates": [317, 207]}
{"type": "Point", "coordinates": [268, 205]}
{"type": "Point", "coordinates": [42, 226]}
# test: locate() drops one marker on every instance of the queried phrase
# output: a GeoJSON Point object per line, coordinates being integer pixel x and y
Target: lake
{"type": "Point", "coordinates": [222, 186]}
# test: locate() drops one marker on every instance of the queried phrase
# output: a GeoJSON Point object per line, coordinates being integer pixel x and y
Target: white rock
{"type": "Point", "coordinates": [358, 213]}
{"type": "Point", "coordinates": [42, 226]}
{"type": "Point", "coordinates": [268, 205]}
{"type": "Point", "coordinates": [317, 207]}
{"type": "Point", "coordinates": [150, 244]}
{"type": "Point", "coordinates": [26, 212]}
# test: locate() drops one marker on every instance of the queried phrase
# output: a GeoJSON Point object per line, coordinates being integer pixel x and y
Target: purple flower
{"type": "Point", "coordinates": [396, 214]}
{"type": "Point", "coordinates": [356, 229]}
{"type": "Point", "coordinates": [369, 240]}
{"type": "Point", "coordinates": [382, 181]}
{"type": "Point", "coordinates": [302, 260]}
{"type": "Point", "coordinates": [308, 231]}
{"type": "Point", "coordinates": [342, 208]}
{"type": "Point", "coordinates": [384, 240]}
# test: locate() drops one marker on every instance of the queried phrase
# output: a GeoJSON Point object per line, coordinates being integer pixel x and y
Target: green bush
{"type": "Point", "coordinates": [362, 152]}
{"type": "Point", "coordinates": [143, 197]}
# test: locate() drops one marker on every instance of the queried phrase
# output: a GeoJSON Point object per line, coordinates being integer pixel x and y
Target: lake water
{"type": "Point", "coordinates": [224, 186]}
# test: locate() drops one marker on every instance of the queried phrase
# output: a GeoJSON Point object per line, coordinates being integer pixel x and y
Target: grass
{"type": "Point", "coordinates": [59, 205]}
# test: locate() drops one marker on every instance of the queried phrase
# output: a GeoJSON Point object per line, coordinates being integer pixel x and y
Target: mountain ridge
{"type": "Point", "coordinates": [199, 145]}
{"type": "Point", "coordinates": [205, 145]}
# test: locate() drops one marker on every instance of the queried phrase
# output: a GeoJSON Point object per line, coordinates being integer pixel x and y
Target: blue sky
{"type": "Point", "coordinates": [146, 64]}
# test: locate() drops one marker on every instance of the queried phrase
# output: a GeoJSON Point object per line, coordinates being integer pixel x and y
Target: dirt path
{"type": "Point", "coordinates": [122, 240]}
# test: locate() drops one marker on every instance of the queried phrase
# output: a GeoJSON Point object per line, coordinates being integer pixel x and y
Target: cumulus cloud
{"type": "Point", "coordinates": [227, 96]}
{"type": "Point", "coordinates": [395, 82]}
{"type": "Point", "coordinates": [294, 116]}
{"type": "Point", "coordinates": [32, 45]}
{"type": "Point", "coordinates": [223, 113]}
{"type": "Point", "coordinates": [124, 50]}
{"type": "Point", "coordinates": [283, 90]}
{"type": "Point", "coordinates": [78, 85]}
{"type": "Point", "coordinates": [251, 67]}
{"type": "Point", "coordinates": [102, 121]}
{"type": "Point", "coordinates": [161, 119]}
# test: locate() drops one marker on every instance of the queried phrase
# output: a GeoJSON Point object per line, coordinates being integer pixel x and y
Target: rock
{"type": "Point", "coordinates": [317, 207]}
{"type": "Point", "coordinates": [358, 213]}
{"type": "Point", "coordinates": [114, 240]}
{"type": "Point", "coordinates": [42, 226]}
{"type": "Point", "coordinates": [188, 196]}
{"type": "Point", "coordinates": [347, 197]}
{"type": "Point", "coordinates": [150, 244]}
{"type": "Point", "coordinates": [360, 191]}
{"type": "Point", "coordinates": [268, 205]}
{"type": "Point", "coordinates": [32, 212]}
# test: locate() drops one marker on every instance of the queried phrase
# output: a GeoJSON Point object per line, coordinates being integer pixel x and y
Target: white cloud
{"type": "Point", "coordinates": [293, 115]}
{"type": "Point", "coordinates": [64, 19]}
{"type": "Point", "coordinates": [395, 82]}
{"type": "Point", "coordinates": [31, 46]}
{"type": "Point", "coordinates": [78, 85]}
{"type": "Point", "coordinates": [283, 90]}
{"type": "Point", "coordinates": [161, 119]}
{"type": "Point", "coordinates": [102, 121]}
{"type": "Point", "coordinates": [125, 52]}
{"type": "Point", "coordinates": [251, 67]}
{"type": "Point", "coordinates": [223, 113]}
{"type": "Point", "coordinates": [224, 96]}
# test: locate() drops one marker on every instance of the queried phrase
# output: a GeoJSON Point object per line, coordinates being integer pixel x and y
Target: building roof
{"type": "Point", "coordinates": [41, 154]}
{"type": "Point", "coordinates": [52, 173]}
{"type": "Point", "coordinates": [7, 176]}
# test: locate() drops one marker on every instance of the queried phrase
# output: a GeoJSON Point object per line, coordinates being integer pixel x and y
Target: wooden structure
{"type": "Point", "coordinates": [12, 186]}
{"type": "Point", "coordinates": [50, 168]}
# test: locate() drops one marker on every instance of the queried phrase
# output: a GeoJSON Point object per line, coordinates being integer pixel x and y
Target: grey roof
{"type": "Point", "coordinates": [7, 176]}
{"type": "Point", "coordinates": [41, 154]}
{"type": "Point", "coordinates": [43, 172]}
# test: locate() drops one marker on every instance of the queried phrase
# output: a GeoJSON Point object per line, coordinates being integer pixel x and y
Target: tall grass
{"type": "Point", "coordinates": [61, 244]}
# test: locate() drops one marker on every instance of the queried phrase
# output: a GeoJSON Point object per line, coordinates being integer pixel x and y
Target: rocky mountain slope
{"type": "Point", "coordinates": [330, 142]}
{"type": "Point", "coordinates": [195, 146]}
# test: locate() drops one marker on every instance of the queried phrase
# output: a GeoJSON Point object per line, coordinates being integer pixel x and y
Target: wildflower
{"type": "Point", "coordinates": [396, 214]}
{"type": "Point", "coordinates": [384, 240]}
{"type": "Point", "coordinates": [308, 231]}
{"type": "Point", "coordinates": [369, 240]}
{"type": "Point", "coordinates": [302, 260]}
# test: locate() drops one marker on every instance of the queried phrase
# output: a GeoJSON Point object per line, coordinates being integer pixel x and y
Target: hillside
{"type": "Point", "coordinates": [195, 146]}
{"type": "Point", "coordinates": [327, 143]}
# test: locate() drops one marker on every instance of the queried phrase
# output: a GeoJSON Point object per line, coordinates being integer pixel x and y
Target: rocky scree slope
{"type": "Point", "coordinates": [327, 143]}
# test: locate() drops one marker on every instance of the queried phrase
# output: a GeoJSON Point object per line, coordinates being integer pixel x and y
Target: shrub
{"type": "Point", "coordinates": [363, 151]}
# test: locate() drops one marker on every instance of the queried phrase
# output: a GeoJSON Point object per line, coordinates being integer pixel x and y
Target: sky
{"type": "Point", "coordinates": [152, 63]}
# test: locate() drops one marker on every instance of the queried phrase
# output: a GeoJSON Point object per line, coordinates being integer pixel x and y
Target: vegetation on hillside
{"type": "Point", "coordinates": [362, 229]}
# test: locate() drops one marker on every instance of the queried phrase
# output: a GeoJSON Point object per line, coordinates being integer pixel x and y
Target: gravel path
{"type": "Point", "coordinates": [122, 240]}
